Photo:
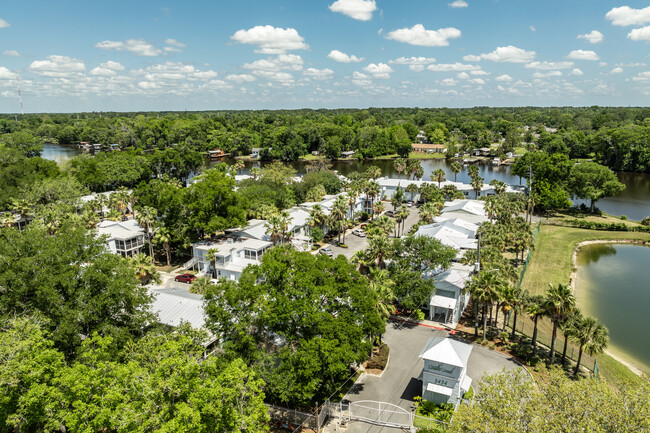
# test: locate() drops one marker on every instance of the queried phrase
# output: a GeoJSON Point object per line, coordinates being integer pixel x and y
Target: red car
{"type": "Point", "coordinates": [185, 278]}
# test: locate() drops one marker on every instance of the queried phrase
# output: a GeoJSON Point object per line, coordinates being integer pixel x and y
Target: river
{"type": "Point", "coordinates": [612, 285]}
{"type": "Point", "coordinates": [634, 201]}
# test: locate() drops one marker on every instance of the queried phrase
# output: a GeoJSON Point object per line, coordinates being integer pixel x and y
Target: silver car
{"type": "Point", "coordinates": [359, 232]}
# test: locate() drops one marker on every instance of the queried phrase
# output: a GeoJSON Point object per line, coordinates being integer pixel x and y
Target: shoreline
{"type": "Point", "coordinates": [572, 284]}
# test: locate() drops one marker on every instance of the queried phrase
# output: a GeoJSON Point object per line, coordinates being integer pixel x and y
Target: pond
{"type": "Point", "coordinates": [612, 285]}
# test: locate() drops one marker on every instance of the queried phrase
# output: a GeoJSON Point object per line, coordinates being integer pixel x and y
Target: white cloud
{"type": "Point", "coordinates": [548, 65]}
{"type": "Point", "coordinates": [102, 72]}
{"type": "Point", "coordinates": [11, 53]}
{"type": "Point", "coordinates": [642, 76]}
{"type": "Point", "coordinates": [616, 71]}
{"type": "Point", "coordinates": [341, 57]}
{"type": "Point", "coordinates": [504, 77]}
{"type": "Point", "coordinates": [641, 34]}
{"type": "Point", "coordinates": [147, 85]}
{"type": "Point", "coordinates": [4, 24]}
{"type": "Point", "coordinates": [282, 61]}
{"type": "Point", "coordinates": [174, 46]}
{"type": "Point", "coordinates": [582, 55]}
{"type": "Point", "coordinates": [509, 54]}
{"type": "Point", "coordinates": [602, 64]}
{"type": "Point", "coordinates": [320, 74]}
{"type": "Point", "coordinates": [139, 47]}
{"type": "Point", "coordinates": [173, 71]}
{"type": "Point", "coordinates": [576, 72]}
{"type": "Point", "coordinates": [57, 66]}
{"type": "Point", "coordinates": [418, 35]}
{"type": "Point", "coordinates": [413, 61]}
{"type": "Point", "coordinates": [271, 40]}
{"type": "Point", "coordinates": [477, 81]}
{"type": "Point", "coordinates": [626, 16]}
{"type": "Point", "coordinates": [479, 72]}
{"type": "Point", "coordinates": [447, 67]}
{"type": "Point", "coordinates": [357, 9]}
{"type": "Point", "coordinates": [462, 75]}
{"type": "Point", "coordinates": [448, 82]}
{"type": "Point", "coordinates": [380, 70]}
{"type": "Point", "coordinates": [592, 37]}
{"type": "Point", "coordinates": [240, 78]}
{"type": "Point", "coordinates": [6, 74]}
{"type": "Point", "coordinates": [547, 74]}
{"type": "Point", "coordinates": [532, 28]}
{"type": "Point", "coordinates": [458, 4]}
{"type": "Point", "coordinates": [113, 66]}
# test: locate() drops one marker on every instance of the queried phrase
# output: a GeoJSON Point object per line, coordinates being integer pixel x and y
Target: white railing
{"type": "Point", "coordinates": [190, 263]}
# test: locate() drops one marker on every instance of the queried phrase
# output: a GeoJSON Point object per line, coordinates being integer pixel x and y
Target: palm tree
{"type": "Point", "coordinates": [144, 269]}
{"type": "Point", "coordinates": [372, 191]}
{"type": "Point", "coordinates": [412, 189]}
{"type": "Point", "coordinates": [400, 166]}
{"type": "Point", "coordinates": [380, 248]}
{"type": "Point", "coordinates": [385, 224]}
{"type": "Point", "coordinates": [456, 168]}
{"type": "Point", "coordinates": [483, 288]}
{"type": "Point", "coordinates": [569, 329]}
{"type": "Point", "coordinates": [559, 304]}
{"type": "Point", "coordinates": [163, 237]}
{"type": "Point", "coordinates": [339, 211]}
{"type": "Point", "coordinates": [449, 191]}
{"type": "Point", "coordinates": [238, 165]}
{"type": "Point", "coordinates": [147, 219]}
{"type": "Point", "coordinates": [414, 167]}
{"type": "Point", "coordinates": [592, 336]}
{"type": "Point", "coordinates": [439, 176]}
{"type": "Point", "coordinates": [521, 299]}
{"type": "Point", "coordinates": [317, 216]}
{"type": "Point", "coordinates": [353, 194]}
{"type": "Point", "coordinates": [120, 198]}
{"type": "Point", "coordinates": [277, 226]}
{"type": "Point", "coordinates": [428, 211]}
{"type": "Point", "coordinates": [201, 285]}
{"type": "Point", "coordinates": [472, 170]}
{"type": "Point", "coordinates": [535, 309]}
{"type": "Point", "coordinates": [378, 208]}
{"type": "Point", "coordinates": [212, 257]}
{"type": "Point", "coordinates": [255, 172]}
{"type": "Point", "coordinates": [499, 186]}
{"type": "Point", "coordinates": [373, 172]}
{"type": "Point", "coordinates": [477, 184]}
{"type": "Point", "coordinates": [381, 284]}
{"type": "Point", "coordinates": [402, 214]}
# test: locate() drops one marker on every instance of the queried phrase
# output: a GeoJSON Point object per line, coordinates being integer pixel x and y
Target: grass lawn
{"type": "Point", "coordinates": [424, 155]}
{"type": "Point", "coordinates": [551, 262]}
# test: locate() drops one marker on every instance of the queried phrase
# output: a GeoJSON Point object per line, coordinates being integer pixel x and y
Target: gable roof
{"type": "Point", "coordinates": [447, 351]}
{"type": "Point", "coordinates": [119, 229]}
{"type": "Point", "coordinates": [474, 207]}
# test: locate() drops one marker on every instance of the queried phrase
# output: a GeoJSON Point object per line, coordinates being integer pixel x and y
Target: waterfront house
{"type": "Point", "coordinates": [444, 375]}
{"type": "Point", "coordinates": [125, 238]}
{"type": "Point", "coordinates": [428, 148]}
{"type": "Point", "coordinates": [232, 254]}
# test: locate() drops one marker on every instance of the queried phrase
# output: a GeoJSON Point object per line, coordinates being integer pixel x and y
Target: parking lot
{"type": "Point", "coordinates": [356, 243]}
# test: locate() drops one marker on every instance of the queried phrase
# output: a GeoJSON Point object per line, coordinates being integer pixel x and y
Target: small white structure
{"type": "Point", "coordinates": [232, 256]}
{"type": "Point", "coordinates": [444, 376]}
{"type": "Point", "coordinates": [456, 233]}
{"type": "Point", "coordinates": [449, 300]}
{"type": "Point", "coordinates": [125, 238]}
{"type": "Point", "coordinates": [472, 211]}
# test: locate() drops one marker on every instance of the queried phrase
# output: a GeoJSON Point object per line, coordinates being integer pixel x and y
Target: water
{"type": "Point", "coordinates": [634, 201]}
{"type": "Point", "coordinates": [612, 286]}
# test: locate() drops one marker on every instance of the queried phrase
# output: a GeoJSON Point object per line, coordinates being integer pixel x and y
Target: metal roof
{"type": "Point", "coordinates": [172, 310]}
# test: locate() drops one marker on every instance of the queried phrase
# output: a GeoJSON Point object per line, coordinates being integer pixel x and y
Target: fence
{"type": "Point", "coordinates": [292, 419]}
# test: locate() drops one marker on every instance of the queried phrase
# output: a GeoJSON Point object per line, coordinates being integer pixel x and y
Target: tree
{"type": "Point", "coordinates": [372, 190]}
{"type": "Point", "coordinates": [499, 186]}
{"type": "Point", "coordinates": [412, 188]}
{"type": "Point", "coordinates": [144, 269]}
{"type": "Point", "coordinates": [211, 256]}
{"type": "Point", "coordinates": [414, 168]}
{"type": "Point", "coordinates": [535, 309]}
{"type": "Point", "coordinates": [428, 211]}
{"type": "Point", "coordinates": [483, 289]}
{"type": "Point", "coordinates": [339, 211]}
{"type": "Point", "coordinates": [373, 172]}
{"type": "Point", "coordinates": [400, 166]}
{"type": "Point", "coordinates": [277, 226]}
{"type": "Point", "coordinates": [402, 214]}
{"type": "Point", "coordinates": [559, 304]}
{"type": "Point", "coordinates": [316, 314]}
{"type": "Point", "coordinates": [592, 181]}
{"type": "Point", "coordinates": [439, 176]}
{"type": "Point", "coordinates": [255, 172]}
{"type": "Point", "coordinates": [477, 184]}
{"type": "Point", "coordinates": [163, 237]}
{"type": "Point", "coordinates": [592, 337]}
{"type": "Point", "coordinates": [279, 173]}
{"type": "Point", "coordinates": [147, 219]}
{"type": "Point", "coordinates": [456, 168]}
{"type": "Point", "coordinates": [201, 285]}
{"type": "Point", "coordinates": [382, 286]}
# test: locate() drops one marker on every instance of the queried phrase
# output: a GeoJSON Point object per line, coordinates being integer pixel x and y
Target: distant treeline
{"type": "Point", "coordinates": [616, 137]}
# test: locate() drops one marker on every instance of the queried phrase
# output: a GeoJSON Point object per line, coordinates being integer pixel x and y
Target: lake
{"type": "Point", "coordinates": [634, 201]}
{"type": "Point", "coordinates": [612, 285]}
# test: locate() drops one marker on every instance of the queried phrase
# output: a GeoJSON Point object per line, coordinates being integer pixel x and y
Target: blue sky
{"type": "Point", "coordinates": [196, 55]}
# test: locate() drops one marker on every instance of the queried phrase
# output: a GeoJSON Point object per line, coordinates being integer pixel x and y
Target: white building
{"type": "Point", "coordinates": [125, 238]}
{"type": "Point", "coordinates": [390, 185]}
{"type": "Point", "coordinates": [232, 256]}
{"type": "Point", "coordinates": [449, 300]}
{"type": "Point", "coordinates": [472, 211]}
{"type": "Point", "coordinates": [454, 233]}
{"type": "Point", "coordinates": [444, 376]}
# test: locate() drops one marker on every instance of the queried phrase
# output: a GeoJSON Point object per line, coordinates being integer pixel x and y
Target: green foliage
{"type": "Point", "coordinates": [379, 360]}
{"type": "Point", "coordinates": [19, 173]}
{"type": "Point", "coordinates": [592, 181]}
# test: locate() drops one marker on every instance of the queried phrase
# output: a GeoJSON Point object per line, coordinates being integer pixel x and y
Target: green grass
{"type": "Point", "coordinates": [424, 155]}
{"type": "Point", "coordinates": [310, 157]}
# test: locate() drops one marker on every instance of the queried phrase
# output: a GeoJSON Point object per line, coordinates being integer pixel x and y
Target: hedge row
{"type": "Point", "coordinates": [615, 227]}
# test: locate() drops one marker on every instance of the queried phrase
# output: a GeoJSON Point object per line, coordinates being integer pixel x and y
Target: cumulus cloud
{"type": "Point", "coordinates": [532, 28]}
{"type": "Point", "coordinates": [380, 70]}
{"type": "Point", "coordinates": [627, 16]}
{"type": "Point", "coordinates": [504, 77]}
{"type": "Point", "coordinates": [6, 74]}
{"type": "Point", "coordinates": [319, 74]}
{"type": "Point", "coordinates": [641, 34]}
{"type": "Point", "coordinates": [174, 46]}
{"type": "Point", "coordinates": [357, 9]}
{"type": "Point", "coordinates": [11, 53]}
{"type": "Point", "coordinates": [547, 74]}
{"type": "Point", "coordinates": [549, 65]}
{"type": "Point", "coordinates": [271, 40]}
{"type": "Point", "coordinates": [282, 61]}
{"type": "Point", "coordinates": [416, 64]}
{"type": "Point", "coordinates": [139, 47]}
{"type": "Point", "coordinates": [361, 80]}
{"type": "Point", "coordinates": [458, 4]}
{"type": "Point", "coordinates": [448, 82]}
{"type": "Point", "coordinates": [616, 71]}
{"type": "Point", "coordinates": [107, 69]}
{"type": "Point", "coordinates": [592, 37]}
{"type": "Point", "coordinates": [4, 24]}
{"type": "Point", "coordinates": [509, 54]}
{"type": "Point", "coordinates": [240, 78]}
{"type": "Point", "coordinates": [642, 76]}
{"type": "Point", "coordinates": [479, 72]}
{"type": "Point", "coordinates": [57, 66]}
{"type": "Point", "coordinates": [341, 57]}
{"type": "Point", "coordinates": [576, 72]}
{"type": "Point", "coordinates": [280, 77]}
{"type": "Point", "coordinates": [447, 67]}
{"type": "Point", "coordinates": [174, 71]}
{"type": "Point", "coordinates": [418, 35]}
{"type": "Point", "coordinates": [582, 55]}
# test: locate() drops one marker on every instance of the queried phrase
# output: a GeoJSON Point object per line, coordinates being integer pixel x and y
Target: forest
{"type": "Point", "coordinates": [616, 137]}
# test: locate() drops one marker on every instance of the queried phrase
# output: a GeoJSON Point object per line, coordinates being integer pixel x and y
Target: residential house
{"type": "Point", "coordinates": [232, 255]}
{"type": "Point", "coordinates": [444, 375]}
{"type": "Point", "coordinates": [255, 152]}
{"type": "Point", "coordinates": [429, 148]}
{"type": "Point", "coordinates": [421, 138]}
{"type": "Point", "coordinates": [448, 302]}
{"type": "Point", "coordinates": [472, 211]}
{"type": "Point", "coordinates": [125, 238]}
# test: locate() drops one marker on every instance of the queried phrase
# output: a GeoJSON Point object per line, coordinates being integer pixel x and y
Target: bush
{"type": "Point", "coordinates": [646, 221]}
{"type": "Point", "coordinates": [504, 336]}
{"type": "Point", "coordinates": [379, 360]}
{"type": "Point", "coordinates": [469, 394]}
{"type": "Point", "coordinates": [419, 314]}
{"type": "Point", "coordinates": [624, 217]}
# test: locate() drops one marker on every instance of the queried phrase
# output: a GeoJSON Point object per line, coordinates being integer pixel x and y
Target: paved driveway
{"type": "Point", "coordinates": [399, 382]}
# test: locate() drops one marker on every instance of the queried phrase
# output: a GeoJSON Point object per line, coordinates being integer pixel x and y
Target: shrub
{"type": "Point", "coordinates": [646, 221]}
{"type": "Point", "coordinates": [504, 336]}
{"type": "Point", "coordinates": [624, 217]}
{"type": "Point", "coordinates": [317, 234]}
{"type": "Point", "coordinates": [491, 346]}
{"type": "Point", "coordinates": [379, 360]}
{"type": "Point", "coordinates": [419, 314]}
{"type": "Point", "coordinates": [469, 394]}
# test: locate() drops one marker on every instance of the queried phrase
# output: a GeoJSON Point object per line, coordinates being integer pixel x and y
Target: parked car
{"type": "Point", "coordinates": [390, 213]}
{"type": "Point", "coordinates": [326, 251]}
{"type": "Point", "coordinates": [359, 232]}
{"type": "Point", "coordinates": [185, 278]}
{"type": "Point", "coordinates": [410, 203]}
